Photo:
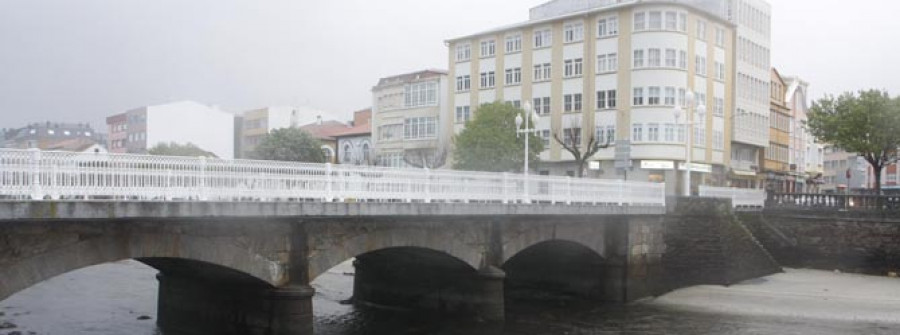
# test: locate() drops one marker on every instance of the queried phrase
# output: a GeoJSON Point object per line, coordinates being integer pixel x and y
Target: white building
{"type": "Point", "coordinates": [807, 155]}
{"type": "Point", "coordinates": [616, 71]}
{"type": "Point", "coordinates": [183, 122]}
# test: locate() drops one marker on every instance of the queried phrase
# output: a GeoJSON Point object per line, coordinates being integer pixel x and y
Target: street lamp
{"type": "Point", "coordinates": [522, 127]}
{"type": "Point", "coordinates": [689, 125]}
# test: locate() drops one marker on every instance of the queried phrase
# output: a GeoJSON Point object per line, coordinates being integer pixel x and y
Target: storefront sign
{"type": "Point", "coordinates": [658, 165]}
{"type": "Point", "coordinates": [696, 167]}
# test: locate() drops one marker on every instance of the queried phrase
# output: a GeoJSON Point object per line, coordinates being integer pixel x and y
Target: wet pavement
{"type": "Point", "coordinates": [112, 298]}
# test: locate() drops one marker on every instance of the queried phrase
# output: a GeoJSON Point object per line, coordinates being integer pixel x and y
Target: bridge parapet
{"type": "Point", "coordinates": [836, 202]}
{"type": "Point", "coordinates": [39, 175]}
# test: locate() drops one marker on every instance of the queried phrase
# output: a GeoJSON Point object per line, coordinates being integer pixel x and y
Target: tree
{"type": "Point", "coordinates": [867, 124]}
{"type": "Point", "coordinates": [175, 149]}
{"type": "Point", "coordinates": [571, 142]}
{"type": "Point", "coordinates": [490, 143]}
{"type": "Point", "coordinates": [431, 158]}
{"type": "Point", "coordinates": [290, 144]}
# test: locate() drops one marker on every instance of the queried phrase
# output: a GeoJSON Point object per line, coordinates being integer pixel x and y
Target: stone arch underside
{"type": "Point", "coordinates": [336, 242]}
{"type": "Point", "coordinates": [37, 253]}
{"type": "Point", "coordinates": [557, 268]}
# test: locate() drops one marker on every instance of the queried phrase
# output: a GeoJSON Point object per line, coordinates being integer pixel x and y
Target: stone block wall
{"type": "Point", "coordinates": [847, 241]}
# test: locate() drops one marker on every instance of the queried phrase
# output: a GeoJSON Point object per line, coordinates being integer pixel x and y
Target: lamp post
{"type": "Point", "coordinates": [689, 128]}
{"type": "Point", "coordinates": [522, 127]}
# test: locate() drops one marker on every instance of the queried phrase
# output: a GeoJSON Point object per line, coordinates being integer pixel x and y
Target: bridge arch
{"type": "Point", "coordinates": [36, 254]}
{"type": "Point", "coordinates": [557, 268]}
{"type": "Point", "coordinates": [332, 243]}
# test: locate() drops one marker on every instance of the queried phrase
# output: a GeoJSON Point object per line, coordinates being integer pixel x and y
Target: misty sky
{"type": "Point", "coordinates": [77, 61]}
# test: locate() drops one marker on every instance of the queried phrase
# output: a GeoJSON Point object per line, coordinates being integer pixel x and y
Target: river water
{"type": "Point", "coordinates": [117, 298]}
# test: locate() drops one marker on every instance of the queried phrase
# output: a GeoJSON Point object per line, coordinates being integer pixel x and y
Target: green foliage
{"type": "Point", "coordinates": [175, 149]}
{"type": "Point", "coordinates": [867, 124]}
{"type": "Point", "coordinates": [290, 144]}
{"type": "Point", "coordinates": [489, 142]}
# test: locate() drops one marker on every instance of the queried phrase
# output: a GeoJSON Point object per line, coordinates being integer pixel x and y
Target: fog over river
{"type": "Point", "coordinates": [117, 298]}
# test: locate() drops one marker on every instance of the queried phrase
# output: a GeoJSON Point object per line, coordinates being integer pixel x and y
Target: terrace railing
{"type": "Point", "coordinates": [848, 202]}
{"type": "Point", "coordinates": [40, 175]}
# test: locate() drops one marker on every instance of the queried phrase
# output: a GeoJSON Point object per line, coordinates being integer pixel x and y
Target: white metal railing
{"type": "Point", "coordinates": [37, 175]}
{"type": "Point", "coordinates": [739, 197]}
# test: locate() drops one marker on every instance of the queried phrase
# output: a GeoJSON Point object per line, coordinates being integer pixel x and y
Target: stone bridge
{"type": "Point", "coordinates": [245, 267]}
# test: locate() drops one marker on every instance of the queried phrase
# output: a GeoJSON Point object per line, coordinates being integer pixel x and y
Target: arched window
{"type": "Point", "coordinates": [328, 153]}
{"type": "Point", "coordinates": [345, 156]}
{"type": "Point", "coordinates": [365, 152]}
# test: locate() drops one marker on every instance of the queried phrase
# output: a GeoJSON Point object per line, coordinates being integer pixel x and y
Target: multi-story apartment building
{"type": "Point", "coordinates": [844, 170]}
{"type": "Point", "coordinates": [407, 111]}
{"type": "Point", "coordinates": [807, 155]}
{"type": "Point", "coordinates": [138, 130]}
{"type": "Point", "coordinates": [776, 161]}
{"type": "Point", "coordinates": [52, 136]}
{"type": "Point", "coordinates": [257, 123]}
{"type": "Point", "coordinates": [617, 71]}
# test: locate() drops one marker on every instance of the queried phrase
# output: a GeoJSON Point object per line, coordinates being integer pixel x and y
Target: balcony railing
{"type": "Point", "coordinates": [40, 175]}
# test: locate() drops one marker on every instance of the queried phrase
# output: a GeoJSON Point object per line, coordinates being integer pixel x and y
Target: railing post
{"type": "Point", "coordinates": [204, 193]}
{"type": "Point", "coordinates": [568, 190]}
{"type": "Point", "coordinates": [621, 192]}
{"type": "Point", "coordinates": [503, 188]}
{"type": "Point", "coordinates": [329, 192]}
{"type": "Point", "coordinates": [427, 185]}
{"type": "Point", "coordinates": [37, 192]}
{"type": "Point", "coordinates": [167, 194]}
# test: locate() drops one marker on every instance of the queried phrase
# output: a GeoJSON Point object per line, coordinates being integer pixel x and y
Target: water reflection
{"type": "Point", "coordinates": [109, 299]}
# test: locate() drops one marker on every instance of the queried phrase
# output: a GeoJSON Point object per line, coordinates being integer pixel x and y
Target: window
{"type": "Point", "coordinates": [514, 43]}
{"type": "Point", "coordinates": [654, 60]}
{"type": "Point", "coordinates": [543, 38]}
{"type": "Point", "coordinates": [613, 62]}
{"type": "Point", "coordinates": [390, 132]}
{"type": "Point", "coordinates": [699, 137]}
{"type": "Point", "coordinates": [669, 133]}
{"type": "Point", "coordinates": [574, 32]}
{"type": "Point", "coordinates": [671, 21]}
{"type": "Point", "coordinates": [542, 106]}
{"type": "Point", "coordinates": [720, 71]}
{"type": "Point", "coordinates": [720, 37]}
{"type": "Point", "coordinates": [515, 103]}
{"type": "Point", "coordinates": [542, 72]}
{"type": "Point", "coordinates": [612, 25]}
{"type": "Point", "coordinates": [655, 20]}
{"type": "Point", "coordinates": [637, 132]}
{"type": "Point", "coordinates": [681, 133]}
{"type": "Point", "coordinates": [545, 135]}
{"type": "Point", "coordinates": [719, 108]}
{"type": "Point", "coordinates": [681, 97]}
{"type": "Point", "coordinates": [610, 134]}
{"type": "Point", "coordinates": [572, 137]}
{"type": "Point", "coordinates": [345, 158]}
{"type": "Point", "coordinates": [701, 65]}
{"type": "Point", "coordinates": [487, 79]}
{"type": "Point", "coordinates": [718, 140]}
{"type": "Point", "coordinates": [463, 83]}
{"type": "Point", "coordinates": [682, 59]}
{"type": "Point", "coordinates": [572, 102]}
{"type": "Point", "coordinates": [671, 58]}
{"type": "Point", "coordinates": [638, 96]}
{"type": "Point", "coordinates": [670, 96]}
{"type": "Point", "coordinates": [463, 52]}
{"type": "Point", "coordinates": [701, 30]}
{"type": "Point", "coordinates": [573, 68]}
{"type": "Point", "coordinates": [682, 22]}
{"type": "Point", "coordinates": [462, 114]}
{"type": "Point", "coordinates": [420, 94]}
{"type": "Point", "coordinates": [419, 128]}
{"type": "Point", "coordinates": [611, 99]}
{"type": "Point", "coordinates": [638, 59]}
{"type": "Point", "coordinates": [601, 99]}
{"type": "Point", "coordinates": [653, 132]}
{"type": "Point", "coordinates": [488, 48]}
{"type": "Point", "coordinates": [653, 99]}
{"type": "Point", "coordinates": [514, 76]}
{"type": "Point", "coordinates": [640, 21]}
